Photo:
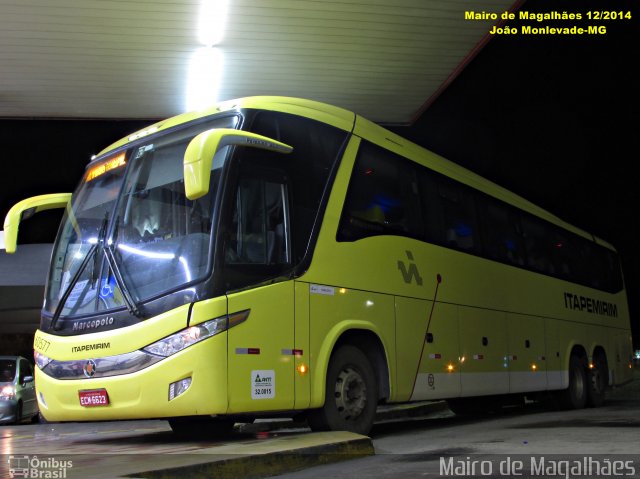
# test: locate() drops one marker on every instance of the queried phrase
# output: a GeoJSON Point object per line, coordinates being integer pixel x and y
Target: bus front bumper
{"type": "Point", "coordinates": [147, 393]}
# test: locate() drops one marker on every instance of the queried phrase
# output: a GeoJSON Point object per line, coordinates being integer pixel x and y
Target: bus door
{"type": "Point", "coordinates": [261, 356]}
{"type": "Point", "coordinates": [260, 352]}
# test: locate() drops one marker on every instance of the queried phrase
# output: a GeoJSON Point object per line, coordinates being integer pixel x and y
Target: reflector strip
{"type": "Point", "coordinates": [247, 350]}
{"type": "Point", "coordinates": [478, 356]}
{"type": "Point", "coordinates": [292, 352]}
{"type": "Point", "coordinates": [435, 356]}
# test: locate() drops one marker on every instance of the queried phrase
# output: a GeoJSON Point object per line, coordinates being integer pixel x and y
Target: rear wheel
{"type": "Point", "coordinates": [351, 394]}
{"type": "Point", "coordinates": [598, 380]}
{"type": "Point", "coordinates": [201, 427]}
{"type": "Point", "coordinates": [575, 396]}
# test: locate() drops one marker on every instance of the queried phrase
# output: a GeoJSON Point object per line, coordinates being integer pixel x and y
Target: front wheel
{"type": "Point", "coordinates": [351, 394]}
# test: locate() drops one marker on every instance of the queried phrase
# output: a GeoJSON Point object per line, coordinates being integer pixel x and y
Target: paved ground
{"type": "Point", "coordinates": [408, 442]}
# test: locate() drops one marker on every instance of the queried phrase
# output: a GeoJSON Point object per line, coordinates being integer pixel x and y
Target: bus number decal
{"type": "Point", "coordinates": [263, 384]}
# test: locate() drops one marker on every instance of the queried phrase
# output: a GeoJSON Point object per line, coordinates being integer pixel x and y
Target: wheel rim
{"type": "Point", "coordinates": [350, 393]}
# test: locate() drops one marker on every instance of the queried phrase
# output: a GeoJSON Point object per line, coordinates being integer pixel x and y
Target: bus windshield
{"type": "Point", "coordinates": [131, 234]}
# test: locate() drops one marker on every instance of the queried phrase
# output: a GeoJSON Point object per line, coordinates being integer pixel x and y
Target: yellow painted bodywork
{"type": "Point", "coordinates": [200, 151]}
{"type": "Point", "coordinates": [494, 328]}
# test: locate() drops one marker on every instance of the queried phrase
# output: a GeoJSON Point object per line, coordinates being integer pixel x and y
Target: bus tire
{"type": "Point", "coordinates": [200, 427]}
{"type": "Point", "coordinates": [575, 396]}
{"type": "Point", "coordinates": [597, 380]}
{"type": "Point", "coordinates": [351, 394]}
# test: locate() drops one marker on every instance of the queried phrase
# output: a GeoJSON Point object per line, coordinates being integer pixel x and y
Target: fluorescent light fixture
{"type": "Point", "coordinates": [205, 72]}
{"type": "Point", "coordinates": [212, 20]}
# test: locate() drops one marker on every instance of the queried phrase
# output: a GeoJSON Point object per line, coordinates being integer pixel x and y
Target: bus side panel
{"type": "Point", "coordinates": [527, 353]}
{"type": "Point", "coordinates": [412, 316]}
{"type": "Point", "coordinates": [261, 359]}
{"type": "Point", "coordinates": [334, 311]}
{"type": "Point", "coordinates": [302, 379]}
{"type": "Point", "coordinates": [620, 359]}
{"type": "Point", "coordinates": [483, 344]}
{"type": "Point", "coordinates": [562, 337]}
{"type": "Point", "coordinates": [439, 374]}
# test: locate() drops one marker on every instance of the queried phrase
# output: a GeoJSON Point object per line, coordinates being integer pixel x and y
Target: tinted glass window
{"type": "Point", "coordinates": [502, 239]}
{"type": "Point", "coordinates": [7, 370]}
{"type": "Point", "coordinates": [458, 215]}
{"type": "Point", "coordinates": [316, 147]}
{"type": "Point", "coordinates": [258, 228]}
{"type": "Point", "coordinates": [382, 198]}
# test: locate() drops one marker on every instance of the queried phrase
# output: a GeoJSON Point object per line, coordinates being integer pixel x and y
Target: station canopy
{"type": "Point", "coordinates": [151, 59]}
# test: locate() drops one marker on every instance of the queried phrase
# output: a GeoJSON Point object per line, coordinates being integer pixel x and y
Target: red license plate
{"type": "Point", "coordinates": [94, 398]}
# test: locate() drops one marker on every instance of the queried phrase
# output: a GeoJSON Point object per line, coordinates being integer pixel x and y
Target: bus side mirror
{"type": "Point", "coordinates": [25, 209]}
{"type": "Point", "coordinates": [200, 152]}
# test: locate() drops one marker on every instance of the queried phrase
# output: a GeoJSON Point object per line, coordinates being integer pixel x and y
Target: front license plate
{"type": "Point", "coordinates": [94, 398]}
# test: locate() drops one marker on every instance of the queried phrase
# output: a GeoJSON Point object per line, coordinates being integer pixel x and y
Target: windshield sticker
{"type": "Point", "coordinates": [77, 294]}
{"type": "Point", "coordinates": [263, 384]}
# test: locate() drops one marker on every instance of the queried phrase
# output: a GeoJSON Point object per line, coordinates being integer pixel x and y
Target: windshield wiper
{"type": "Point", "coordinates": [110, 256]}
{"type": "Point", "coordinates": [90, 254]}
{"type": "Point", "coordinates": [132, 306]}
{"type": "Point", "coordinates": [72, 283]}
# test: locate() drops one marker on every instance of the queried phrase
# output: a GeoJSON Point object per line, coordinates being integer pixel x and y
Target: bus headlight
{"type": "Point", "coordinates": [194, 334]}
{"type": "Point", "coordinates": [187, 337]}
{"type": "Point", "coordinates": [41, 360]}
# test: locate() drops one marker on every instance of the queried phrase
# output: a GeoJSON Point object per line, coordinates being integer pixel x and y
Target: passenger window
{"type": "Point", "coordinates": [382, 197]}
{"type": "Point", "coordinates": [502, 240]}
{"type": "Point", "coordinates": [538, 245]}
{"type": "Point", "coordinates": [460, 226]}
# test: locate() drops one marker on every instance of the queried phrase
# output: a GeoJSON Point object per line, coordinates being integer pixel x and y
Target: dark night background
{"type": "Point", "coordinates": [552, 118]}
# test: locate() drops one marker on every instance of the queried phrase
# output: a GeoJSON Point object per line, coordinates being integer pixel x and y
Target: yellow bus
{"type": "Point", "coordinates": [279, 256]}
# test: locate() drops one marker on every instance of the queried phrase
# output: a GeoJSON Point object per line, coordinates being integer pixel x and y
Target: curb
{"type": "Point", "coordinates": [409, 410]}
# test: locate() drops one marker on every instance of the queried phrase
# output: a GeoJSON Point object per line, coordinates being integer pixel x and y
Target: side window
{"type": "Point", "coordinates": [259, 230]}
{"type": "Point", "coordinates": [23, 370]}
{"type": "Point", "coordinates": [458, 214]}
{"type": "Point", "coordinates": [382, 197]}
{"type": "Point", "coordinates": [538, 245]}
{"type": "Point", "coordinates": [316, 146]}
{"type": "Point", "coordinates": [612, 272]}
{"type": "Point", "coordinates": [502, 239]}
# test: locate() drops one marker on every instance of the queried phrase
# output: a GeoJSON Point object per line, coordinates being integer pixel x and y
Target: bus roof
{"type": "Point", "coordinates": [332, 115]}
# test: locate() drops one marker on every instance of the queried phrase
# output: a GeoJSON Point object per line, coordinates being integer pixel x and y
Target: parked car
{"type": "Point", "coordinates": [17, 390]}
